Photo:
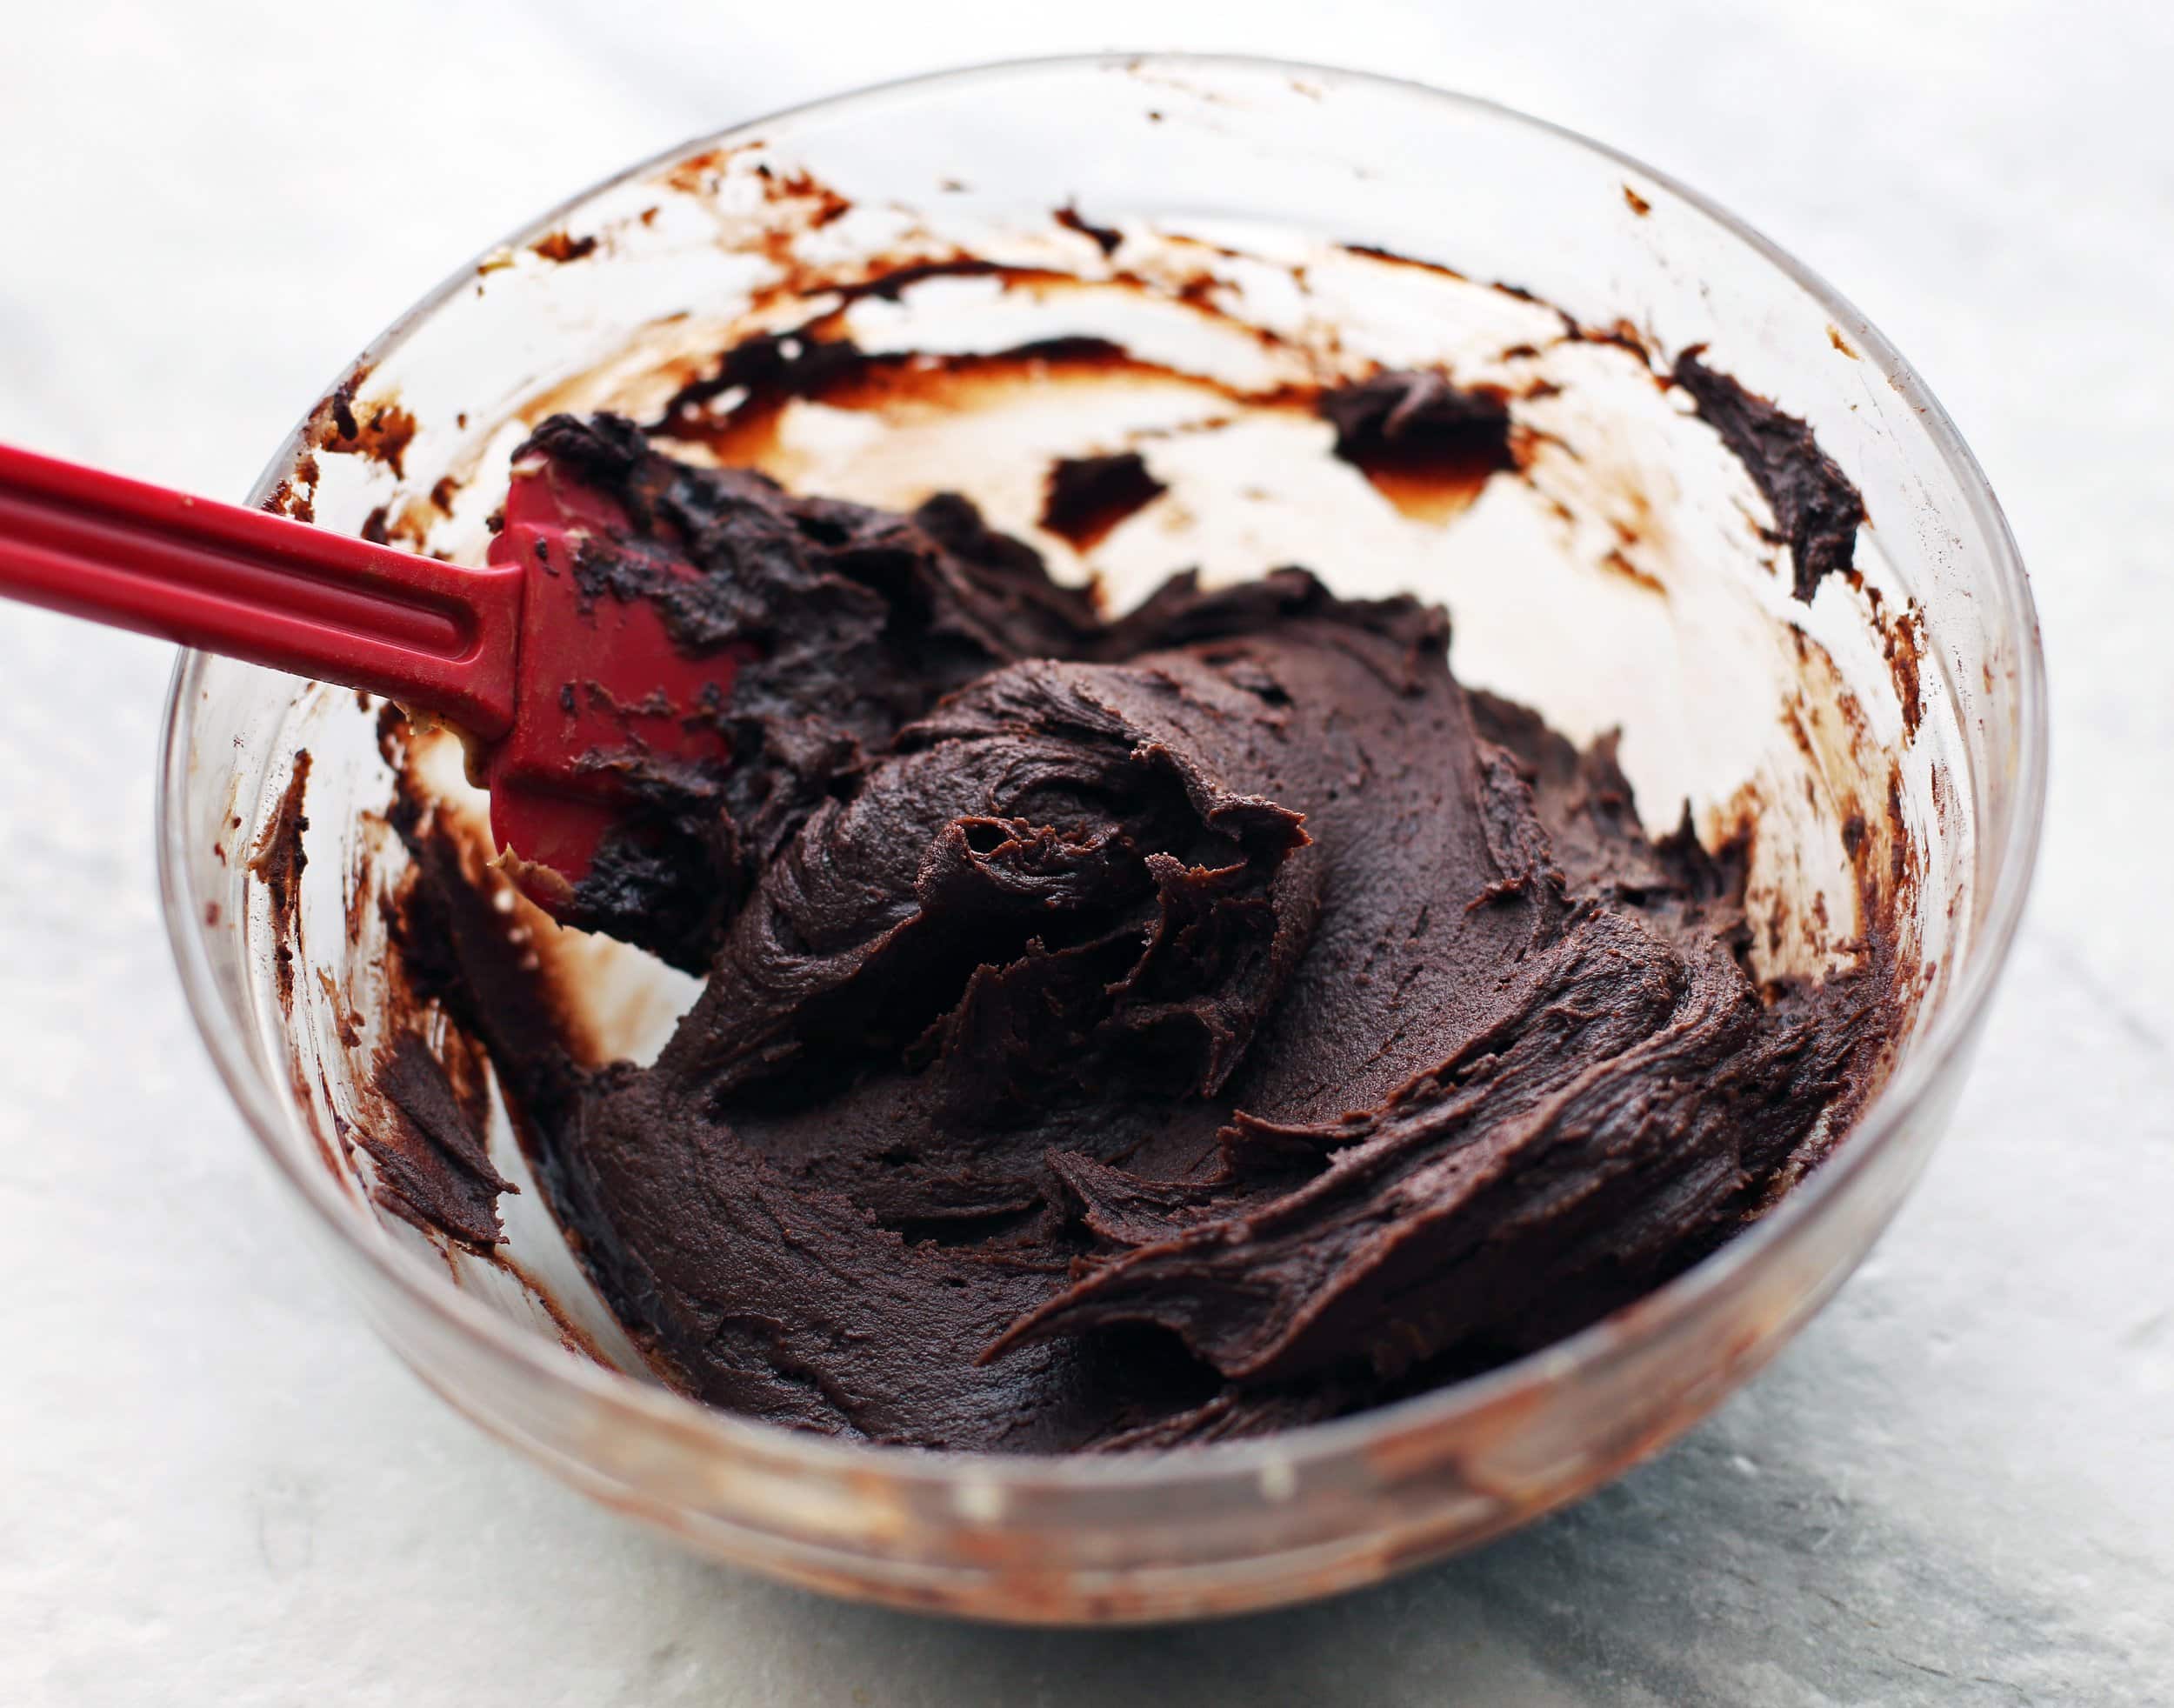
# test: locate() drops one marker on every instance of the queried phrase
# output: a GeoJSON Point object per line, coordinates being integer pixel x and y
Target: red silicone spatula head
{"type": "Point", "coordinates": [580, 710]}
{"type": "Point", "coordinates": [602, 682]}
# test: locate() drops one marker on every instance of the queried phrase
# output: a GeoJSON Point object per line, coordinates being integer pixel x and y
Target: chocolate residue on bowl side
{"type": "Point", "coordinates": [1900, 639]}
{"type": "Point", "coordinates": [1376, 252]}
{"type": "Point", "coordinates": [295, 494]}
{"type": "Point", "coordinates": [278, 862]}
{"type": "Point", "coordinates": [1615, 561]}
{"type": "Point", "coordinates": [1088, 497]}
{"type": "Point", "coordinates": [434, 1165]}
{"type": "Point", "coordinates": [758, 379]}
{"type": "Point", "coordinates": [345, 425]}
{"type": "Point", "coordinates": [1427, 444]}
{"type": "Point", "coordinates": [770, 368]}
{"type": "Point", "coordinates": [816, 360]}
{"type": "Point", "coordinates": [1817, 510]}
{"type": "Point", "coordinates": [1104, 237]}
{"type": "Point", "coordinates": [562, 247]}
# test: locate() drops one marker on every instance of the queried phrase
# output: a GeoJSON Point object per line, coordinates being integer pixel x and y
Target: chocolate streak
{"type": "Point", "coordinates": [278, 862]}
{"type": "Point", "coordinates": [1088, 497]}
{"type": "Point", "coordinates": [1817, 510]}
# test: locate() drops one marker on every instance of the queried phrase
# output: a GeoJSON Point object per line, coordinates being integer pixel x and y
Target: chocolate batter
{"type": "Point", "coordinates": [1134, 1032]}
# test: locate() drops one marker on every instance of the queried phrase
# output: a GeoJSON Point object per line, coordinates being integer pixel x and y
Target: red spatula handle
{"type": "Point", "coordinates": [442, 636]}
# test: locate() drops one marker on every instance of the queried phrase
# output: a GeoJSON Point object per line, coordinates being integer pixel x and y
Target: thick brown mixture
{"type": "Point", "coordinates": [1132, 1032]}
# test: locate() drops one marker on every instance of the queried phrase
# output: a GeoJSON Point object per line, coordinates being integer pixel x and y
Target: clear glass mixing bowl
{"type": "Point", "coordinates": [687, 248]}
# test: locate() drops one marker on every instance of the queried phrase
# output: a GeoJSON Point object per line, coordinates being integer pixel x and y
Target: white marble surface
{"type": "Point", "coordinates": [1956, 1488]}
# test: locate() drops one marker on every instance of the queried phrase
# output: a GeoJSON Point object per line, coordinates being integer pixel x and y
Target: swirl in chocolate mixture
{"type": "Point", "coordinates": [1134, 1032]}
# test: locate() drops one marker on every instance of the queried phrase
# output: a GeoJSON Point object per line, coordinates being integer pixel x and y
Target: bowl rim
{"type": "Point", "coordinates": [648, 1405]}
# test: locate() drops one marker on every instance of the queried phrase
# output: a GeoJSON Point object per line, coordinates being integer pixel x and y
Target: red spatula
{"type": "Point", "coordinates": [539, 676]}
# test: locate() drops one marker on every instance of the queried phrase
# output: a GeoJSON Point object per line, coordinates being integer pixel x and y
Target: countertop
{"type": "Point", "coordinates": [1957, 1487]}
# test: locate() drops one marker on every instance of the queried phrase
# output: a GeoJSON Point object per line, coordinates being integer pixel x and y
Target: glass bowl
{"type": "Point", "coordinates": [621, 295]}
